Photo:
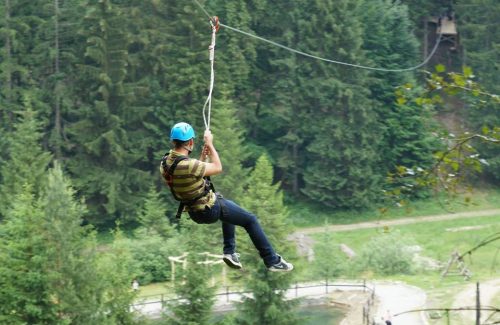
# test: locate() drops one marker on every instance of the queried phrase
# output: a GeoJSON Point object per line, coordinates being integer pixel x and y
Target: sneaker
{"type": "Point", "coordinates": [232, 260]}
{"type": "Point", "coordinates": [281, 266]}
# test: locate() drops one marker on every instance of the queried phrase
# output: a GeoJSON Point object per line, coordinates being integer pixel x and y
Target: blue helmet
{"type": "Point", "coordinates": [182, 132]}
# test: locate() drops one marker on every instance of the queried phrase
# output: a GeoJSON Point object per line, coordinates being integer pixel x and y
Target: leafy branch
{"type": "Point", "coordinates": [452, 168]}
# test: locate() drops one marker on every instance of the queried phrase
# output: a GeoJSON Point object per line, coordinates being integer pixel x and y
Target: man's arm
{"type": "Point", "coordinates": [213, 167]}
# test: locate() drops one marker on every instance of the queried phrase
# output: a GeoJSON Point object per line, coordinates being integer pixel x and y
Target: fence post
{"type": "Point", "coordinates": [227, 293]}
{"type": "Point", "coordinates": [296, 289]}
{"type": "Point", "coordinates": [368, 314]}
{"type": "Point", "coordinates": [326, 286]}
{"type": "Point", "coordinates": [364, 285]}
{"type": "Point", "coordinates": [478, 305]}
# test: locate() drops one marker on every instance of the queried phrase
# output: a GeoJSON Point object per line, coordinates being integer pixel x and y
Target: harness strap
{"type": "Point", "coordinates": [169, 177]}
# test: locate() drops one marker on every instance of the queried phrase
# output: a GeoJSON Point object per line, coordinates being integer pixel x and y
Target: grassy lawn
{"type": "Point", "coordinates": [310, 215]}
{"type": "Point", "coordinates": [438, 240]}
{"type": "Point", "coordinates": [154, 291]}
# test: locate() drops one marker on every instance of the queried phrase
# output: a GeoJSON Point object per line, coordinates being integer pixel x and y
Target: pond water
{"type": "Point", "coordinates": [311, 315]}
{"type": "Point", "coordinates": [321, 315]}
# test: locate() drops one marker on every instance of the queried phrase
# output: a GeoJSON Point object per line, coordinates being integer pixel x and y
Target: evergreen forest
{"type": "Point", "coordinates": [89, 90]}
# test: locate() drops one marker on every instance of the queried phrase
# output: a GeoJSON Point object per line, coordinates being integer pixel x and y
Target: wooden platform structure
{"type": "Point", "coordinates": [446, 26]}
{"type": "Point", "coordinates": [461, 268]}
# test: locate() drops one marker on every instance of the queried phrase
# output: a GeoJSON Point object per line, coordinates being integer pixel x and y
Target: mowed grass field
{"type": "Point", "coordinates": [309, 215]}
{"type": "Point", "coordinates": [438, 240]}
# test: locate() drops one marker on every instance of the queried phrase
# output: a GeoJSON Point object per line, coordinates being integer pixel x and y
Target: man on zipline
{"type": "Point", "coordinates": [186, 178]}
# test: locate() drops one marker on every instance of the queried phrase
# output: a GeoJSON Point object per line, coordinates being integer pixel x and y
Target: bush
{"type": "Point", "coordinates": [329, 261]}
{"type": "Point", "coordinates": [151, 255]}
{"type": "Point", "coordinates": [387, 254]}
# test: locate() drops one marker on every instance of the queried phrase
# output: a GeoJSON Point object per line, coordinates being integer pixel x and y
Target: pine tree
{"type": "Point", "coordinates": [339, 123]}
{"type": "Point", "coordinates": [25, 160]}
{"type": "Point", "coordinates": [196, 296]}
{"type": "Point", "coordinates": [267, 305]}
{"type": "Point", "coordinates": [14, 28]}
{"type": "Point", "coordinates": [153, 216]}
{"type": "Point", "coordinates": [55, 45]}
{"type": "Point", "coordinates": [235, 55]}
{"type": "Point", "coordinates": [118, 268]}
{"type": "Point", "coordinates": [228, 134]}
{"type": "Point", "coordinates": [328, 263]}
{"type": "Point", "coordinates": [75, 288]}
{"type": "Point", "coordinates": [111, 181]}
{"type": "Point", "coordinates": [277, 123]}
{"type": "Point", "coordinates": [148, 115]}
{"type": "Point", "coordinates": [389, 42]}
{"type": "Point", "coordinates": [188, 66]}
{"type": "Point", "coordinates": [16, 25]}
{"type": "Point", "coordinates": [50, 267]}
{"type": "Point", "coordinates": [25, 294]}
{"type": "Point", "coordinates": [480, 37]}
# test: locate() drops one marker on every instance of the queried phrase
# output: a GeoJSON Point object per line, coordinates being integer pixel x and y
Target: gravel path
{"type": "Point", "coordinates": [395, 298]}
{"type": "Point", "coordinates": [467, 298]}
{"type": "Point", "coordinates": [398, 222]}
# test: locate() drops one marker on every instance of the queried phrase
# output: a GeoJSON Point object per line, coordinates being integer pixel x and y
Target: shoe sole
{"type": "Point", "coordinates": [231, 264]}
{"type": "Point", "coordinates": [281, 270]}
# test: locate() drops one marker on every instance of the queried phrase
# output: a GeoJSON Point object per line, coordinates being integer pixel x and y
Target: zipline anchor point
{"type": "Point", "coordinates": [214, 21]}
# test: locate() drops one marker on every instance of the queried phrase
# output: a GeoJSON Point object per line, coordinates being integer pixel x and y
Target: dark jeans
{"type": "Point", "coordinates": [233, 215]}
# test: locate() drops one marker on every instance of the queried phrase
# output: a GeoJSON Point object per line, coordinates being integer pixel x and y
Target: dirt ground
{"type": "Point", "coordinates": [467, 298]}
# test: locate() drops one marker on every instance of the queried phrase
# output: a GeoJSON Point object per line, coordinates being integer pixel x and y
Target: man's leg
{"type": "Point", "coordinates": [235, 215]}
{"type": "Point", "coordinates": [228, 234]}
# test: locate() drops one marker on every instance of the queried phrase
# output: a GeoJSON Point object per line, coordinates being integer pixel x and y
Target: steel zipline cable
{"type": "Point", "coordinates": [427, 59]}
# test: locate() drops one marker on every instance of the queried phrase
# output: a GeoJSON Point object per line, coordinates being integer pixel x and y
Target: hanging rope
{"type": "Point", "coordinates": [426, 60]}
{"type": "Point", "coordinates": [214, 22]}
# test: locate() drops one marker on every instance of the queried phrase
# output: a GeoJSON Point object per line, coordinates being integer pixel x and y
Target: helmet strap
{"type": "Point", "coordinates": [190, 147]}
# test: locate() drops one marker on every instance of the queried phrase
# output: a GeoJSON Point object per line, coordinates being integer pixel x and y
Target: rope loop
{"type": "Point", "coordinates": [214, 22]}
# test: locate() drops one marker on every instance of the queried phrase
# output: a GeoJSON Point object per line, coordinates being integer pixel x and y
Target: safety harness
{"type": "Point", "coordinates": [169, 178]}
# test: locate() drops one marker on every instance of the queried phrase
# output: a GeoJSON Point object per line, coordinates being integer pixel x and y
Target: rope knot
{"type": "Point", "coordinates": [214, 22]}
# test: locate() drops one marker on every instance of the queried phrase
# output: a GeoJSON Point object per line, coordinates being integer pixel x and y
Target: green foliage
{"type": "Point", "coordinates": [25, 160]}
{"type": "Point", "coordinates": [387, 254]}
{"type": "Point", "coordinates": [109, 78]}
{"type": "Point", "coordinates": [118, 268]}
{"type": "Point", "coordinates": [153, 216]}
{"type": "Point", "coordinates": [71, 251]}
{"type": "Point", "coordinates": [454, 167]}
{"type": "Point", "coordinates": [111, 180]}
{"type": "Point", "coordinates": [150, 252]}
{"type": "Point", "coordinates": [339, 169]}
{"type": "Point", "coordinates": [51, 271]}
{"type": "Point", "coordinates": [268, 304]}
{"type": "Point", "coordinates": [25, 297]}
{"type": "Point", "coordinates": [328, 260]}
{"type": "Point", "coordinates": [196, 296]}
{"type": "Point", "coordinates": [231, 149]}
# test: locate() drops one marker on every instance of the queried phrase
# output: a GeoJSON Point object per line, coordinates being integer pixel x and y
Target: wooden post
{"type": "Point", "coordinates": [172, 264]}
{"type": "Point", "coordinates": [425, 37]}
{"type": "Point", "coordinates": [478, 305]}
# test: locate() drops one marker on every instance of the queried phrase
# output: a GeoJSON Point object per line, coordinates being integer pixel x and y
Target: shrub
{"type": "Point", "coordinates": [387, 254]}
{"type": "Point", "coordinates": [151, 254]}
